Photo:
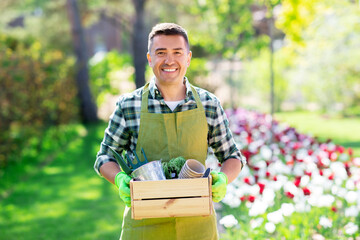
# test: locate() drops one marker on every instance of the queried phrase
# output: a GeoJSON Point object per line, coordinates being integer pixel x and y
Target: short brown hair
{"type": "Point", "coordinates": [167, 29]}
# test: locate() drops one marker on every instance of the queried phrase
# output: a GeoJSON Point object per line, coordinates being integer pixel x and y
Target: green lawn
{"type": "Point", "coordinates": [65, 199]}
{"type": "Point", "coordinates": [343, 131]}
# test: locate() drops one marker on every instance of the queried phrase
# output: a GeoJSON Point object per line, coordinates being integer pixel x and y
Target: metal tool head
{"type": "Point", "coordinates": [136, 163]}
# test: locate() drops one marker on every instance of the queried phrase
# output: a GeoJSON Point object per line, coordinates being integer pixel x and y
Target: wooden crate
{"type": "Point", "coordinates": [171, 198]}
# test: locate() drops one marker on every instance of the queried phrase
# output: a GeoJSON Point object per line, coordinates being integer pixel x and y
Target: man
{"type": "Point", "coordinates": [169, 118]}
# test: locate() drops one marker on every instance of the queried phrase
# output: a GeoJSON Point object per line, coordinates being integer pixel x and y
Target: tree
{"type": "Point", "coordinates": [139, 39]}
{"type": "Point", "coordinates": [87, 106]}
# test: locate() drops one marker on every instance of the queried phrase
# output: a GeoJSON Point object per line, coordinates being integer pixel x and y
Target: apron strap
{"type": "Point", "coordinates": [145, 97]}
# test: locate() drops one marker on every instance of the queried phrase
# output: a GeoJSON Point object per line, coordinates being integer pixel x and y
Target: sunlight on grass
{"type": "Point", "coordinates": [50, 170]}
{"type": "Point", "coordinates": [343, 131]}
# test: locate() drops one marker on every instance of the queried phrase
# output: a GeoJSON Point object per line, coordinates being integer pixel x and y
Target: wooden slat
{"type": "Point", "coordinates": [179, 207]}
{"type": "Point", "coordinates": [170, 188]}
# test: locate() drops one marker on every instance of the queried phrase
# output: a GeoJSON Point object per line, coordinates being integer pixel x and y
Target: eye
{"type": "Point", "coordinates": [160, 53]}
{"type": "Point", "coordinates": [178, 53]}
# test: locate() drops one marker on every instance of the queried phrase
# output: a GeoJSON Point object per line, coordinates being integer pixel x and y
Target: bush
{"type": "Point", "coordinates": [36, 91]}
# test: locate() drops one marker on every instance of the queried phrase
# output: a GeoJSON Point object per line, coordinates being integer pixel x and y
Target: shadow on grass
{"type": "Point", "coordinates": [66, 199]}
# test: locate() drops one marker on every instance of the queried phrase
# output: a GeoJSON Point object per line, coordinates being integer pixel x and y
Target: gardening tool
{"type": "Point", "coordinates": [142, 170]}
{"type": "Point", "coordinates": [207, 172]}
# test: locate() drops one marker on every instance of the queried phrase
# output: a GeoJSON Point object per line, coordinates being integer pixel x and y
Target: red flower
{"type": "Point", "coordinates": [307, 173]}
{"type": "Point", "coordinates": [331, 177]}
{"type": "Point", "coordinates": [297, 181]}
{"type": "Point", "coordinates": [267, 174]}
{"type": "Point", "coordinates": [251, 198]}
{"type": "Point", "coordinates": [262, 187]}
{"type": "Point", "coordinates": [350, 151]}
{"type": "Point", "coordinates": [340, 149]}
{"type": "Point", "coordinates": [306, 191]}
{"type": "Point", "coordinates": [243, 198]}
{"type": "Point", "coordinates": [334, 209]}
{"type": "Point", "coordinates": [247, 180]}
{"type": "Point", "coordinates": [289, 195]}
{"type": "Point", "coordinates": [274, 178]}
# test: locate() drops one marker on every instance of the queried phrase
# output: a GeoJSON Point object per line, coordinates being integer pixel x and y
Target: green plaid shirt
{"type": "Point", "coordinates": [122, 131]}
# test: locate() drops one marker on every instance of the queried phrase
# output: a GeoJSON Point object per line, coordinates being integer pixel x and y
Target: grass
{"type": "Point", "coordinates": [343, 131]}
{"type": "Point", "coordinates": [65, 199]}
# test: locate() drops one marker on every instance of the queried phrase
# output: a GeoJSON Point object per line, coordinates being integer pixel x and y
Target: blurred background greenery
{"type": "Point", "coordinates": [63, 64]}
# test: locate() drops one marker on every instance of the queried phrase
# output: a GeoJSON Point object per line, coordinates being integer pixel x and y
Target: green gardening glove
{"type": "Point", "coordinates": [219, 183]}
{"type": "Point", "coordinates": [122, 182]}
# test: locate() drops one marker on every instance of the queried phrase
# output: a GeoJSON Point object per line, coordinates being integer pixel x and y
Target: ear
{"type": "Point", "coordinates": [148, 58]}
{"type": "Point", "coordinates": [189, 58]}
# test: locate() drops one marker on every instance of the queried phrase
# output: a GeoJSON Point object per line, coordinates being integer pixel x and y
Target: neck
{"type": "Point", "coordinates": [172, 92]}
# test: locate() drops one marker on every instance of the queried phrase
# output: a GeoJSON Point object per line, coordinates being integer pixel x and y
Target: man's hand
{"type": "Point", "coordinates": [122, 181]}
{"type": "Point", "coordinates": [219, 183]}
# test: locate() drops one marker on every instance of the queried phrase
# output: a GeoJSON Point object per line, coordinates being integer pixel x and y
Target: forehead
{"type": "Point", "coordinates": [168, 42]}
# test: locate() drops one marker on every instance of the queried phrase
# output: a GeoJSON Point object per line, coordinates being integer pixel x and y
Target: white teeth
{"type": "Point", "coordinates": [169, 70]}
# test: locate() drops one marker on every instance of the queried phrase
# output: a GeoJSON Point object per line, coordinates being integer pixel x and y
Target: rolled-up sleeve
{"type": "Point", "coordinates": [116, 136]}
{"type": "Point", "coordinates": [220, 137]}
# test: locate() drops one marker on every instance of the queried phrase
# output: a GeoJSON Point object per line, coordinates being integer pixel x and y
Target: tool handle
{"type": "Point", "coordinates": [143, 152]}
{"type": "Point", "coordinates": [122, 162]}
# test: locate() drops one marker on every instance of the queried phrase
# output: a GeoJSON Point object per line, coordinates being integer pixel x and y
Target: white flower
{"type": "Point", "coordinates": [351, 197]}
{"type": "Point", "coordinates": [339, 170]}
{"type": "Point", "coordinates": [352, 211]}
{"type": "Point", "coordinates": [301, 206]}
{"type": "Point", "coordinates": [351, 228]}
{"type": "Point", "coordinates": [231, 200]}
{"type": "Point", "coordinates": [287, 209]}
{"type": "Point", "coordinates": [325, 222]}
{"type": "Point", "coordinates": [299, 169]}
{"type": "Point", "coordinates": [325, 200]}
{"type": "Point", "coordinates": [265, 152]}
{"type": "Point", "coordinates": [270, 227]}
{"type": "Point", "coordinates": [228, 221]}
{"type": "Point", "coordinates": [254, 223]}
{"type": "Point", "coordinates": [304, 181]}
{"type": "Point", "coordinates": [350, 184]}
{"type": "Point", "coordinates": [258, 207]}
{"type": "Point", "coordinates": [275, 217]}
{"type": "Point", "coordinates": [268, 196]}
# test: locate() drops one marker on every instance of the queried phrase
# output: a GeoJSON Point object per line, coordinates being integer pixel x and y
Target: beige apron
{"type": "Point", "coordinates": [166, 136]}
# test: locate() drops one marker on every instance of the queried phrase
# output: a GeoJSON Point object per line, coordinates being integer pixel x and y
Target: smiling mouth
{"type": "Point", "coordinates": [169, 69]}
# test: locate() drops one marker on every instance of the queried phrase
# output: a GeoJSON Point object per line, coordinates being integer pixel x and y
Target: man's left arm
{"type": "Point", "coordinates": [231, 167]}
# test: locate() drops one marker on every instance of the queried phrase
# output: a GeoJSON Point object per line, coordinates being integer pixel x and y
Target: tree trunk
{"type": "Point", "coordinates": [88, 109]}
{"type": "Point", "coordinates": [139, 41]}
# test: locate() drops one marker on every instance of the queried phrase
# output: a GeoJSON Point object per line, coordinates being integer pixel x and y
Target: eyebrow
{"type": "Point", "coordinates": [162, 49]}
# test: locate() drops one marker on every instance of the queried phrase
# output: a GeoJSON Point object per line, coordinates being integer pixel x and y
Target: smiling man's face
{"type": "Point", "coordinates": [169, 58]}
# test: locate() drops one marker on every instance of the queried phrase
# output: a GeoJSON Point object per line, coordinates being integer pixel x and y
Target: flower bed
{"type": "Point", "coordinates": [294, 187]}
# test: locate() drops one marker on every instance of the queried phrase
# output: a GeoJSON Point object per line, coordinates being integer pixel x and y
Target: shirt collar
{"type": "Point", "coordinates": [155, 92]}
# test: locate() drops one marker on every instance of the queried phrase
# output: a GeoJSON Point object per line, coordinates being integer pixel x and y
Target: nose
{"type": "Point", "coordinates": [169, 59]}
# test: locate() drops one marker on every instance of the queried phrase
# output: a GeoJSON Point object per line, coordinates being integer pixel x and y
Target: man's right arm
{"type": "Point", "coordinates": [109, 170]}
